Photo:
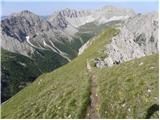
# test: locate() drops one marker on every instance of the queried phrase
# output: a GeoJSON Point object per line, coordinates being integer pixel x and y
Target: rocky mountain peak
{"type": "Point", "coordinates": [114, 11]}
{"type": "Point", "coordinates": [66, 17]}
{"type": "Point", "coordinates": [71, 13]}
{"type": "Point", "coordinates": [23, 13]}
{"type": "Point", "coordinates": [18, 25]}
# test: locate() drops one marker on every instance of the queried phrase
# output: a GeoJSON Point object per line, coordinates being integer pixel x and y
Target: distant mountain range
{"type": "Point", "coordinates": [61, 25]}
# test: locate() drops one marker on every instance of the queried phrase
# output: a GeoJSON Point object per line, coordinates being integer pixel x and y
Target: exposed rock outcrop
{"type": "Point", "coordinates": [138, 37]}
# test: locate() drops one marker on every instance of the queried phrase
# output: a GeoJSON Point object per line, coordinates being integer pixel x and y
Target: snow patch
{"type": "Point", "coordinates": [23, 64]}
{"type": "Point", "coordinates": [27, 38]}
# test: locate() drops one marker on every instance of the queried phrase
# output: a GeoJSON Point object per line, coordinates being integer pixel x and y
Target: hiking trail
{"type": "Point", "coordinates": [92, 110]}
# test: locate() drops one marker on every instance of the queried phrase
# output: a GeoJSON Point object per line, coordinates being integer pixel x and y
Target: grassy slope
{"type": "Point", "coordinates": [125, 89]}
{"type": "Point", "coordinates": [19, 70]}
{"type": "Point", "coordinates": [64, 93]}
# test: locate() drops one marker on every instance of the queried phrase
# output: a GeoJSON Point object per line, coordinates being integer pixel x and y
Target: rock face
{"type": "Point", "coordinates": [16, 27]}
{"type": "Point", "coordinates": [21, 24]}
{"type": "Point", "coordinates": [138, 37]}
{"type": "Point", "coordinates": [66, 17]}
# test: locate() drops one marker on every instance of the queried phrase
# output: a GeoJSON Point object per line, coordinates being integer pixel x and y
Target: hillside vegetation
{"type": "Point", "coordinates": [19, 71]}
{"type": "Point", "coordinates": [130, 90]}
{"type": "Point", "coordinates": [65, 92]}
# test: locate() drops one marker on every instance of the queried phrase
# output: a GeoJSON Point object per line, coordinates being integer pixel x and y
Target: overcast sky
{"type": "Point", "coordinates": [46, 8]}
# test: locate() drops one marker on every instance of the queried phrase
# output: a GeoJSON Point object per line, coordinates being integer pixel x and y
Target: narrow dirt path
{"type": "Point", "coordinates": [92, 111]}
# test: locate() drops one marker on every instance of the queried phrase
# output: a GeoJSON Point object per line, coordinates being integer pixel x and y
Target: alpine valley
{"type": "Point", "coordinates": [99, 63]}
